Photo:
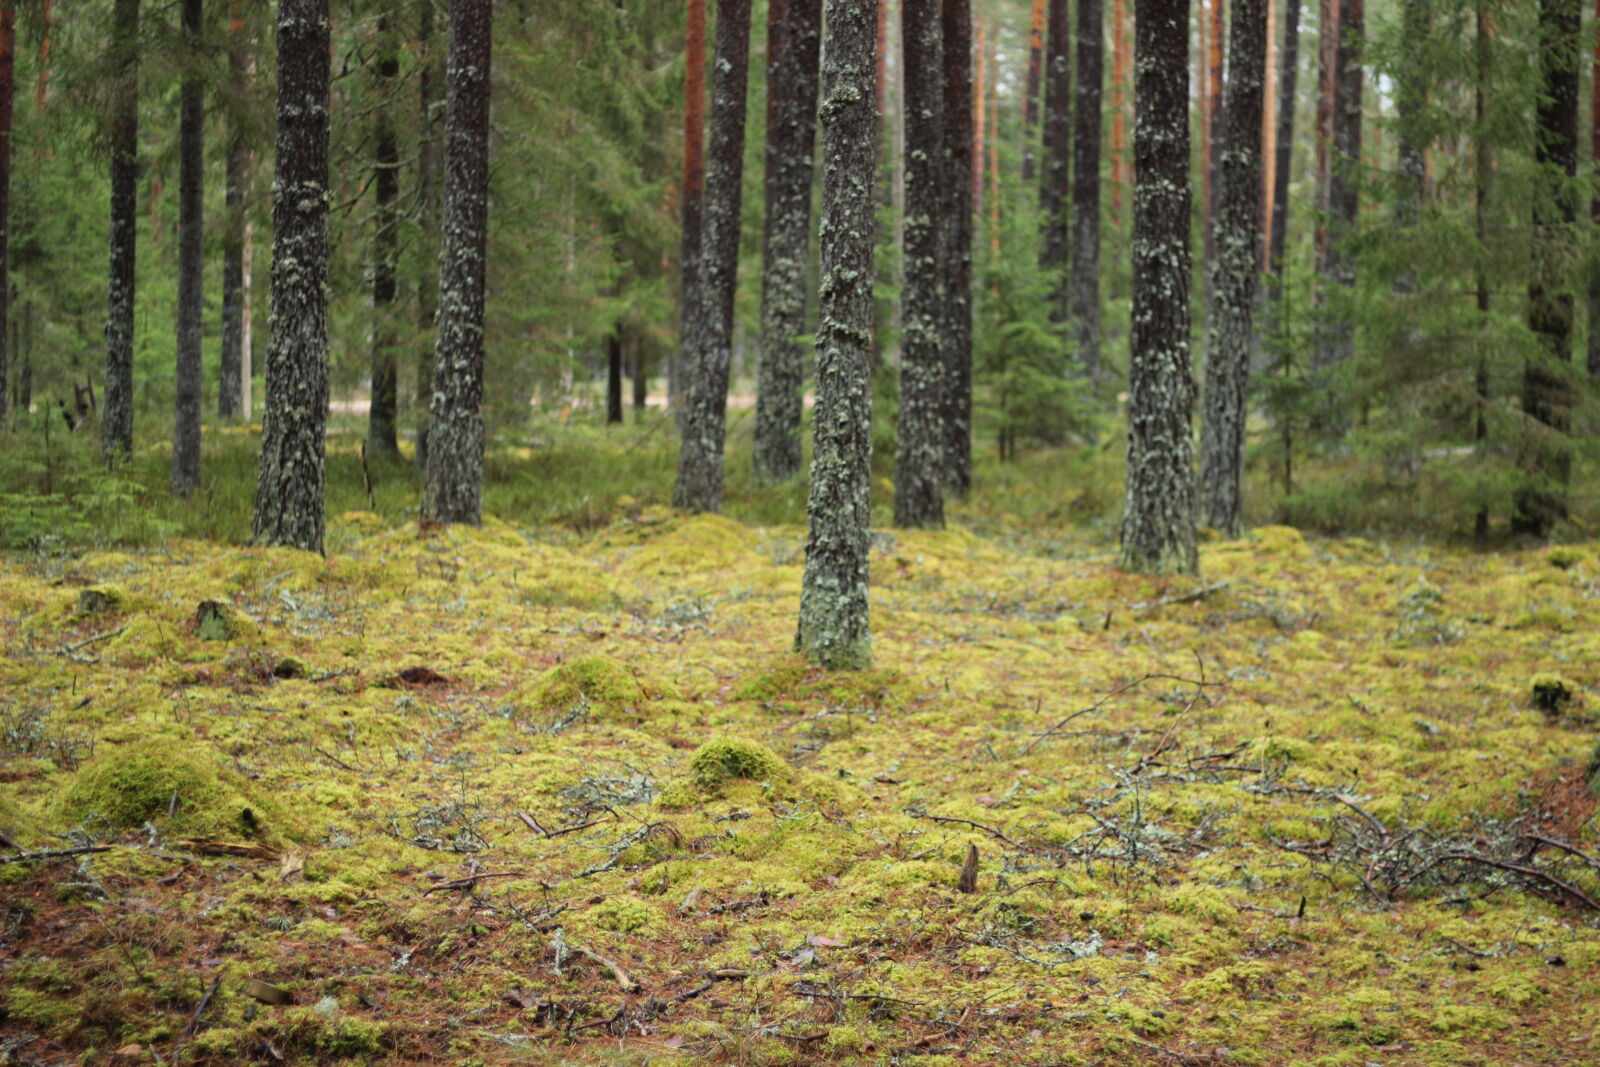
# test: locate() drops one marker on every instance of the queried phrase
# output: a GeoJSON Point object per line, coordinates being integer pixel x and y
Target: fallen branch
{"type": "Point", "coordinates": [624, 981]}
{"type": "Point", "coordinates": [1564, 846]}
{"type": "Point", "coordinates": [55, 854]}
{"type": "Point", "coordinates": [1528, 872]}
{"type": "Point", "coordinates": [975, 825]}
{"type": "Point", "coordinates": [71, 651]}
{"type": "Point", "coordinates": [1182, 598]}
{"type": "Point", "coordinates": [199, 1010]}
{"type": "Point", "coordinates": [471, 880]}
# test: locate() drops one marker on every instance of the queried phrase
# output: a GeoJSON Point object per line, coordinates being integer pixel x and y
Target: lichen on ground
{"type": "Point", "coordinates": [575, 802]}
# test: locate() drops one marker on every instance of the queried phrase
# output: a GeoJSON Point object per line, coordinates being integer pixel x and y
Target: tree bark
{"type": "Point", "coordinates": [1411, 146]}
{"type": "Point", "coordinates": [1120, 79]}
{"type": "Point", "coordinates": [833, 626]}
{"type": "Point", "coordinates": [694, 184]}
{"type": "Point", "coordinates": [1057, 154]}
{"type": "Point", "coordinates": [1593, 360]}
{"type": "Point", "coordinates": [230, 388]}
{"type": "Point", "coordinates": [289, 504]}
{"type": "Point", "coordinates": [191, 255]}
{"type": "Point", "coordinates": [1212, 130]}
{"type": "Point", "coordinates": [614, 375]}
{"type": "Point", "coordinates": [1288, 65]}
{"type": "Point", "coordinates": [382, 434]}
{"type": "Point", "coordinates": [1158, 533]}
{"type": "Point", "coordinates": [1336, 337]}
{"type": "Point", "coordinates": [1030, 102]}
{"type": "Point", "coordinates": [117, 419]}
{"type": "Point", "coordinates": [956, 20]}
{"type": "Point", "coordinates": [8, 53]}
{"type": "Point", "coordinates": [1547, 392]}
{"type": "Point", "coordinates": [1483, 169]}
{"type": "Point", "coordinates": [430, 107]}
{"type": "Point", "coordinates": [709, 347]}
{"type": "Point", "coordinates": [1233, 287]}
{"type": "Point", "coordinates": [794, 37]}
{"type": "Point", "coordinates": [1083, 299]}
{"type": "Point", "coordinates": [1327, 73]}
{"type": "Point", "coordinates": [920, 476]}
{"type": "Point", "coordinates": [453, 487]}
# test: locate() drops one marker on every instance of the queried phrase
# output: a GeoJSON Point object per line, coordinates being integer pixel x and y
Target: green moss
{"type": "Point", "coordinates": [727, 758]}
{"type": "Point", "coordinates": [142, 781]}
{"type": "Point", "coordinates": [598, 683]}
{"type": "Point", "coordinates": [625, 915]}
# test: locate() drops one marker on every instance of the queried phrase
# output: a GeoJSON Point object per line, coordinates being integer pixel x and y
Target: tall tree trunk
{"type": "Point", "coordinates": [1212, 130]}
{"type": "Point", "coordinates": [1411, 151]}
{"type": "Point", "coordinates": [1158, 534]}
{"type": "Point", "coordinates": [639, 368]}
{"type": "Point", "coordinates": [1327, 74]}
{"type": "Point", "coordinates": [1030, 102]}
{"type": "Point", "coordinates": [919, 463]}
{"type": "Point", "coordinates": [1593, 361]}
{"type": "Point", "coordinates": [430, 100]}
{"type": "Point", "coordinates": [1288, 65]}
{"type": "Point", "coordinates": [956, 19]}
{"type": "Point", "coordinates": [1483, 169]}
{"type": "Point", "coordinates": [8, 47]}
{"type": "Point", "coordinates": [833, 626]}
{"type": "Point", "coordinates": [694, 184]}
{"type": "Point", "coordinates": [794, 38]}
{"type": "Point", "coordinates": [614, 375]}
{"type": "Point", "coordinates": [980, 113]}
{"type": "Point", "coordinates": [1084, 277]}
{"type": "Point", "coordinates": [1233, 287]}
{"type": "Point", "coordinates": [232, 385]}
{"type": "Point", "coordinates": [191, 255]}
{"type": "Point", "coordinates": [1547, 392]}
{"type": "Point", "coordinates": [382, 434]}
{"type": "Point", "coordinates": [1336, 337]}
{"type": "Point", "coordinates": [1057, 154]}
{"type": "Point", "coordinates": [1121, 67]}
{"type": "Point", "coordinates": [452, 490]}
{"type": "Point", "coordinates": [289, 505]}
{"type": "Point", "coordinates": [117, 420]}
{"type": "Point", "coordinates": [709, 347]}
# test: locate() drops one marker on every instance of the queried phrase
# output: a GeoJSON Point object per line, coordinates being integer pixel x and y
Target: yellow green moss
{"type": "Point", "coordinates": [729, 758]}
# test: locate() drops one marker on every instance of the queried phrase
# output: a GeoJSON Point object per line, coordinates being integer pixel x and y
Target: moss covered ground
{"type": "Point", "coordinates": [502, 795]}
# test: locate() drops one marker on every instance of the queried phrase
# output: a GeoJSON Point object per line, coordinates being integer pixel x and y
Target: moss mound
{"type": "Point", "coordinates": [143, 781]}
{"type": "Point", "coordinates": [727, 758]}
{"type": "Point", "coordinates": [599, 682]}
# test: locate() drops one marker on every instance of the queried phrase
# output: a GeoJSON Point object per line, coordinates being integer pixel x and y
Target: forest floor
{"type": "Point", "coordinates": [480, 796]}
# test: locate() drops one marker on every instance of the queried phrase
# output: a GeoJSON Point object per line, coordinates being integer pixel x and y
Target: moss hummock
{"type": "Point", "coordinates": [727, 758]}
{"type": "Point", "coordinates": [144, 781]}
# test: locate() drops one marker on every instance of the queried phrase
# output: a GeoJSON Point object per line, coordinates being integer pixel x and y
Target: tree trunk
{"type": "Point", "coordinates": [8, 47]}
{"type": "Point", "coordinates": [1483, 169]}
{"type": "Point", "coordinates": [709, 346]}
{"type": "Point", "coordinates": [1212, 130]}
{"type": "Point", "coordinates": [1233, 287]}
{"type": "Point", "coordinates": [382, 435]}
{"type": "Point", "coordinates": [453, 487]}
{"type": "Point", "coordinates": [980, 116]}
{"type": "Point", "coordinates": [1593, 361]}
{"type": "Point", "coordinates": [117, 420]}
{"type": "Point", "coordinates": [191, 255]}
{"type": "Point", "coordinates": [1084, 277]}
{"type": "Point", "coordinates": [1030, 102]}
{"type": "Point", "coordinates": [430, 106]}
{"type": "Point", "coordinates": [639, 369]}
{"type": "Point", "coordinates": [1411, 153]}
{"type": "Point", "coordinates": [956, 19]}
{"type": "Point", "coordinates": [1288, 65]}
{"type": "Point", "coordinates": [1547, 393]}
{"type": "Point", "coordinates": [231, 386]}
{"type": "Point", "coordinates": [919, 463]}
{"type": "Point", "coordinates": [694, 184]}
{"type": "Point", "coordinates": [833, 626]}
{"type": "Point", "coordinates": [1057, 154]}
{"type": "Point", "coordinates": [1336, 338]}
{"type": "Point", "coordinates": [1327, 72]}
{"type": "Point", "coordinates": [1158, 534]}
{"type": "Point", "coordinates": [794, 36]}
{"type": "Point", "coordinates": [614, 375]}
{"type": "Point", "coordinates": [289, 505]}
{"type": "Point", "coordinates": [1121, 57]}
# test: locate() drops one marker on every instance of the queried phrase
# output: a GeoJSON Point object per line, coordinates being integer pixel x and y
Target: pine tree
{"type": "Point", "coordinates": [1288, 64]}
{"type": "Point", "coordinates": [920, 476]}
{"type": "Point", "coordinates": [232, 386]}
{"type": "Point", "coordinates": [117, 421]}
{"type": "Point", "coordinates": [453, 487]}
{"type": "Point", "coordinates": [833, 626]}
{"type": "Point", "coordinates": [614, 376]}
{"type": "Point", "coordinates": [382, 438]}
{"type": "Point", "coordinates": [1158, 534]}
{"type": "Point", "coordinates": [1057, 152]}
{"type": "Point", "coordinates": [289, 505]}
{"type": "Point", "coordinates": [1336, 338]}
{"type": "Point", "coordinates": [794, 35]}
{"type": "Point", "coordinates": [690, 301]}
{"type": "Point", "coordinates": [1233, 287]}
{"type": "Point", "coordinates": [1083, 297]}
{"type": "Point", "coordinates": [956, 30]}
{"type": "Point", "coordinates": [430, 112]}
{"type": "Point", "coordinates": [1030, 99]}
{"type": "Point", "coordinates": [708, 349]}
{"type": "Point", "coordinates": [1547, 392]}
{"type": "Point", "coordinates": [8, 45]}
{"type": "Point", "coordinates": [1411, 147]}
{"type": "Point", "coordinates": [191, 254]}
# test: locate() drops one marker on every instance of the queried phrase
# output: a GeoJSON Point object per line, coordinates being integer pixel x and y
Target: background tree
{"type": "Point", "coordinates": [1336, 340]}
{"type": "Point", "coordinates": [1233, 289]}
{"type": "Point", "coordinates": [191, 252]}
{"type": "Point", "coordinates": [289, 507]}
{"type": "Point", "coordinates": [794, 36]}
{"type": "Point", "coordinates": [430, 116]}
{"type": "Point", "coordinates": [690, 300]}
{"type": "Point", "coordinates": [8, 47]}
{"type": "Point", "coordinates": [382, 436]}
{"type": "Point", "coordinates": [707, 349]}
{"type": "Point", "coordinates": [1057, 151]}
{"type": "Point", "coordinates": [1158, 535]}
{"type": "Point", "coordinates": [233, 380]}
{"type": "Point", "coordinates": [117, 419]}
{"type": "Point", "coordinates": [956, 31]}
{"type": "Point", "coordinates": [453, 489]}
{"type": "Point", "coordinates": [1083, 308]}
{"type": "Point", "coordinates": [920, 474]}
{"type": "Point", "coordinates": [833, 627]}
